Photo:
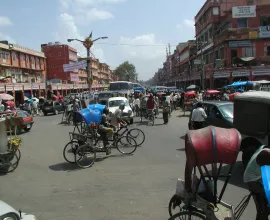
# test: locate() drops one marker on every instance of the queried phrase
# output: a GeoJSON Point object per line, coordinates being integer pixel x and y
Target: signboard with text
{"type": "Point", "coordinates": [261, 73]}
{"type": "Point", "coordinates": [244, 11]}
{"type": "Point", "coordinates": [240, 73]}
{"type": "Point", "coordinates": [221, 75]}
{"type": "Point", "coordinates": [74, 77]}
{"type": "Point", "coordinates": [264, 32]}
{"type": "Point", "coordinates": [243, 43]}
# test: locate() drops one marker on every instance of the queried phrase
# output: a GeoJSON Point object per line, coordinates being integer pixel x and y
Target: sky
{"type": "Point", "coordinates": [138, 31]}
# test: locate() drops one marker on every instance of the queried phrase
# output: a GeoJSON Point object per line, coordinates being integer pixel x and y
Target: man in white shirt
{"type": "Point", "coordinates": [198, 116]}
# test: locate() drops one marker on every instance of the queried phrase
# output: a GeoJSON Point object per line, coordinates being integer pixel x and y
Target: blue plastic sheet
{"type": "Point", "coordinates": [266, 181]}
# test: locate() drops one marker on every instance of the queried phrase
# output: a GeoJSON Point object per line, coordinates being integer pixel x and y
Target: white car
{"type": "Point", "coordinates": [9, 213]}
{"type": "Point", "coordinates": [113, 105]}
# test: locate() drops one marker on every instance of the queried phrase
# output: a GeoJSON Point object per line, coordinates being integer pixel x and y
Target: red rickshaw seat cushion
{"type": "Point", "coordinates": [212, 145]}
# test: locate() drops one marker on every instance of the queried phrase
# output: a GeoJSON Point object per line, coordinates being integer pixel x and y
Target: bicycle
{"type": "Point", "coordinates": [151, 116]}
{"type": "Point", "coordinates": [134, 133]}
{"type": "Point", "coordinates": [94, 146]}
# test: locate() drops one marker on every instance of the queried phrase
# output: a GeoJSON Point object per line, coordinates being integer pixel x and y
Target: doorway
{"type": "Point", "coordinates": [233, 55]}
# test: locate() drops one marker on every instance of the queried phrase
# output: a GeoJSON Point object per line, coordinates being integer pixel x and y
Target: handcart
{"type": "Point", "coordinates": [10, 154]}
{"type": "Point", "coordinates": [207, 150]}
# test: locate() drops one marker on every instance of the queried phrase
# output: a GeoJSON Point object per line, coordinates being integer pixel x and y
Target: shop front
{"type": "Point", "coordinates": [221, 79]}
{"type": "Point", "coordinates": [18, 93]}
{"type": "Point", "coordinates": [260, 75]}
{"type": "Point", "coordinates": [241, 76]}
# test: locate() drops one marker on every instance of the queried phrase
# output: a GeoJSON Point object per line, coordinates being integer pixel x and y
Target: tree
{"type": "Point", "coordinates": [126, 71]}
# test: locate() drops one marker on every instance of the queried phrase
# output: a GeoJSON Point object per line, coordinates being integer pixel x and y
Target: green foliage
{"type": "Point", "coordinates": [126, 71]}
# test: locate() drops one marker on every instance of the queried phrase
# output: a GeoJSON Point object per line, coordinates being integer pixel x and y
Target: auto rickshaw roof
{"type": "Point", "coordinates": [254, 96]}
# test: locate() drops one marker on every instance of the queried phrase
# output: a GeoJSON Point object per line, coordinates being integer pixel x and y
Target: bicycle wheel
{"type": "Point", "coordinates": [175, 205]}
{"type": "Point", "coordinates": [85, 156]}
{"type": "Point", "coordinates": [70, 150]}
{"type": "Point", "coordinates": [138, 135]}
{"type": "Point", "coordinates": [188, 215]}
{"type": "Point", "coordinates": [9, 162]}
{"type": "Point", "coordinates": [18, 153]}
{"type": "Point", "coordinates": [126, 145]}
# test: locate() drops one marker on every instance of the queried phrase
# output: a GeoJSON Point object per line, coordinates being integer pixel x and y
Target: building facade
{"type": "Point", "coordinates": [57, 55]}
{"type": "Point", "coordinates": [232, 44]}
{"type": "Point", "coordinates": [22, 71]}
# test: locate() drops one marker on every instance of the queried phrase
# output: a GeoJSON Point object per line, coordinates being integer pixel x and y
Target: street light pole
{"type": "Point", "coordinates": [88, 43]}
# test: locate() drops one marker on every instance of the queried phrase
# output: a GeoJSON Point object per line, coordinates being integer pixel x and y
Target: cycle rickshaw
{"type": "Point", "coordinates": [211, 147]}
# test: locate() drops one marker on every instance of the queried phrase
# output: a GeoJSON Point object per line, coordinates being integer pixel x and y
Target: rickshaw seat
{"type": "Point", "coordinates": [212, 145]}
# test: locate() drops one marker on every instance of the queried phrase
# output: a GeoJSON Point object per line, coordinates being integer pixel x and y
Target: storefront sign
{"type": "Point", "coordinates": [253, 35]}
{"type": "Point", "coordinates": [27, 87]}
{"type": "Point", "coordinates": [74, 77]}
{"type": "Point", "coordinates": [9, 87]}
{"type": "Point", "coordinates": [35, 86]}
{"type": "Point", "coordinates": [244, 43]}
{"type": "Point", "coordinates": [17, 87]}
{"type": "Point", "coordinates": [244, 11]}
{"type": "Point", "coordinates": [2, 88]}
{"type": "Point", "coordinates": [264, 32]}
{"type": "Point", "coordinates": [42, 86]}
{"type": "Point", "coordinates": [221, 75]}
{"type": "Point", "coordinates": [261, 73]}
{"type": "Point", "coordinates": [239, 73]}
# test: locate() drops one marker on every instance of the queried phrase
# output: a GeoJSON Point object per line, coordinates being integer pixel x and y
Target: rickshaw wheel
{"type": "Point", "coordinates": [188, 213]}
{"type": "Point", "coordinates": [9, 163]}
{"type": "Point", "coordinates": [173, 204]}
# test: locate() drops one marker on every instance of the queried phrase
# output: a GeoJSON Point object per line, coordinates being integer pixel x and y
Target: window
{"type": "Point", "coordinates": [265, 20]}
{"type": "Point", "coordinates": [216, 54]}
{"type": "Point", "coordinates": [221, 53]}
{"type": "Point", "coordinates": [242, 22]}
{"type": "Point", "coordinates": [268, 51]}
{"type": "Point", "coordinates": [250, 2]}
{"type": "Point", "coordinates": [215, 11]}
{"type": "Point", "coordinates": [13, 56]}
{"type": "Point", "coordinates": [247, 52]}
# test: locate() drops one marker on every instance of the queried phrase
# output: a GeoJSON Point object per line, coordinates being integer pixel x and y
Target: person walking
{"type": "Point", "coordinates": [166, 111]}
{"type": "Point", "coordinates": [198, 117]}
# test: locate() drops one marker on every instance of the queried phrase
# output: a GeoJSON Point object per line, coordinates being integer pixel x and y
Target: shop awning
{"type": "Point", "coordinates": [243, 59]}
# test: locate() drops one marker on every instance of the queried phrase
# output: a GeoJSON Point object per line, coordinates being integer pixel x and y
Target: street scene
{"type": "Point", "coordinates": [99, 122]}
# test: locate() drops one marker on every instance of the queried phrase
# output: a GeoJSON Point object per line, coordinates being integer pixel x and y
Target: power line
{"type": "Point", "coordinates": [137, 45]}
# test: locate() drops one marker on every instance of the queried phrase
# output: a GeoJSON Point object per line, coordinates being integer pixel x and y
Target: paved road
{"type": "Point", "coordinates": [120, 187]}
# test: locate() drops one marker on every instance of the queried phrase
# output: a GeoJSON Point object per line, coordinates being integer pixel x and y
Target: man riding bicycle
{"type": "Point", "coordinates": [151, 104]}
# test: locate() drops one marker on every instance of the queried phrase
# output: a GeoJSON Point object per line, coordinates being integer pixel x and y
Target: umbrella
{"type": "Point", "coordinates": [6, 97]}
{"type": "Point", "coordinates": [192, 87]}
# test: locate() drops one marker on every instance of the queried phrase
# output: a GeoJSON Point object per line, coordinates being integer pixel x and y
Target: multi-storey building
{"type": "Point", "coordinates": [22, 71]}
{"type": "Point", "coordinates": [57, 55]}
{"type": "Point", "coordinates": [232, 38]}
{"type": "Point", "coordinates": [232, 44]}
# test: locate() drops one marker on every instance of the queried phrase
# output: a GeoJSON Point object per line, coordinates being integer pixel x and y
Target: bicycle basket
{"type": "Point", "coordinates": [78, 137]}
{"type": "Point", "coordinates": [14, 143]}
{"type": "Point", "coordinates": [253, 172]}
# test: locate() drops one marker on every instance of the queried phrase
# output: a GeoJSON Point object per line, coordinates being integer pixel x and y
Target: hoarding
{"type": "Point", "coordinates": [244, 11]}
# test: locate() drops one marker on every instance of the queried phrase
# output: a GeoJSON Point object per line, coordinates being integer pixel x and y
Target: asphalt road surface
{"type": "Point", "coordinates": [118, 187]}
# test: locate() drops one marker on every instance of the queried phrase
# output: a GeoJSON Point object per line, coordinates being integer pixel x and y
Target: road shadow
{"type": "Point", "coordinates": [183, 137]}
{"type": "Point", "coordinates": [119, 155]}
{"type": "Point", "coordinates": [181, 149]}
{"type": "Point", "coordinates": [158, 125]}
{"type": "Point", "coordinates": [183, 116]}
{"type": "Point", "coordinates": [237, 174]}
{"type": "Point", "coordinates": [64, 167]}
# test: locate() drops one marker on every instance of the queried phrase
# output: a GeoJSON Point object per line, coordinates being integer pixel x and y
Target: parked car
{"type": "Point", "coordinates": [113, 105]}
{"type": "Point", "coordinates": [52, 107]}
{"type": "Point", "coordinates": [251, 119]}
{"type": "Point", "coordinates": [25, 124]}
{"type": "Point", "coordinates": [219, 114]}
{"type": "Point", "coordinates": [9, 213]}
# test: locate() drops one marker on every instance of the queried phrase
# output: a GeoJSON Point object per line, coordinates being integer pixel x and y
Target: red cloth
{"type": "Point", "coordinates": [150, 104]}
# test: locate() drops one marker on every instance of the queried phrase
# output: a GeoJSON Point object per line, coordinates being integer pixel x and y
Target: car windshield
{"type": "Point", "coordinates": [48, 104]}
{"type": "Point", "coordinates": [227, 110]}
{"type": "Point", "coordinates": [117, 103]}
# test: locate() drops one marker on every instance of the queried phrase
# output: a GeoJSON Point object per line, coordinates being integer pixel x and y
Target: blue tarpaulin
{"type": "Point", "coordinates": [240, 83]}
{"type": "Point", "coordinates": [139, 89]}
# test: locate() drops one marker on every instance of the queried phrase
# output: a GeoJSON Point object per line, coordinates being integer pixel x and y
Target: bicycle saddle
{"type": "Point", "coordinates": [263, 158]}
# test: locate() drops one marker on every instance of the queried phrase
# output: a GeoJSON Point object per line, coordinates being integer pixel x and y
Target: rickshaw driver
{"type": "Point", "coordinates": [116, 120]}
{"type": "Point", "coordinates": [105, 129]}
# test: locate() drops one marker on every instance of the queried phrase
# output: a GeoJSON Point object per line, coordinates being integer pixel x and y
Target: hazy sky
{"type": "Point", "coordinates": [149, 24]}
